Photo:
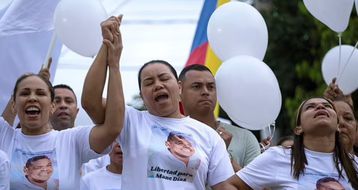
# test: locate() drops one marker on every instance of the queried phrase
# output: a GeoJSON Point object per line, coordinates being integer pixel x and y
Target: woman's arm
{"type": "Point", "coordinates": [233, 183]}
{"type": "Point", "coordinates": [103, 135]}
{"type": "Point", "coordinates": [95, 79]}
{"type": "Point", "coordinates": [9, 114]}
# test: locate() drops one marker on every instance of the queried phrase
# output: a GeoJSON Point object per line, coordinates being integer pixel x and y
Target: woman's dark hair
{"type": "Point", "coordinates": [171, 68]}
{"type": "Point", "coordinates": [24, 76]}
{"type": "Point", "coordinates": [342, 159]}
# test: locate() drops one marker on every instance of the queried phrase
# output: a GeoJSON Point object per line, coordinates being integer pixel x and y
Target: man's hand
{"type": "Point", "coordinates": [45, 71]}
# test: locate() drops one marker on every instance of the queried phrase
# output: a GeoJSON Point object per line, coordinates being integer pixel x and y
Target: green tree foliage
{"type": "Point", "coordinates": [297, 45]}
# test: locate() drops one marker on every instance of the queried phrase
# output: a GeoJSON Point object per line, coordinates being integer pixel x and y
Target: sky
{"type": "Point", "coordinates": [155, 29]}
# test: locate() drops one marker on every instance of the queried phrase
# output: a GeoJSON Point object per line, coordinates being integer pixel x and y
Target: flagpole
{"type": "Point", "coordinates": [49, 51]}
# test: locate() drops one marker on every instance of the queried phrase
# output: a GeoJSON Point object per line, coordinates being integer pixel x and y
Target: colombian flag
{"type": "Point", "coordinates": [201, 53]}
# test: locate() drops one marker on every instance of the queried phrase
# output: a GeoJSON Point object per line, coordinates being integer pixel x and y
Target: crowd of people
{"type": "Point", "coordinates": [163, 147]}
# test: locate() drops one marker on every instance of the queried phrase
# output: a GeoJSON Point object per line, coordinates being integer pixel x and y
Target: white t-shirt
{"type": "Point", "coordinates": [95, 164]}
{"type": "Point", "coordinates": [65, 150]}
{"type": "Point", "coordinates": [273, 169]}
{"type": "Point", "coordinates": [101, 179]}
{"type": "Point", "coordinates": [4, 171]}
{"type": "Point", "coordinates": [149, 164]}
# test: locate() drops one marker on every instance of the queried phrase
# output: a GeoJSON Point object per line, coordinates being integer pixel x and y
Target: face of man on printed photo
{"type": "Point", "coordinates": [180, 147]}
{"type": "Point", "coordinates": [331, 186]}
{"type": "Point", "coordinates": [39, 171]}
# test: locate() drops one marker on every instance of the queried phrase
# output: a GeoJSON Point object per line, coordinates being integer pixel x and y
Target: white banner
{"type": "Point", "coordinates": [26, 28]}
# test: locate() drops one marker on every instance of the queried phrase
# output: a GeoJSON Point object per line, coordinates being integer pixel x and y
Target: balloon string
{"type": "Point", "coordinates": [118, 7]}
{"type": "Point", "coordinates": [269, 138]}
{"type": "Point", "coordinates": [340, 53]}
{"type": "Point", "coordinates": [272, 132]}
{"type": "Point", "coordinates": [345, 65]}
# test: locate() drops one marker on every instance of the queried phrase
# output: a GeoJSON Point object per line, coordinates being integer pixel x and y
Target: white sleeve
{"type": "Point", "coordinates": [80, 136]}
{"type": "Point", "coordinates": [220, 167]}
{"type": "Point", "coordinates": [4, 171]}
{"type": "Point", "coordinates": [261, 171]}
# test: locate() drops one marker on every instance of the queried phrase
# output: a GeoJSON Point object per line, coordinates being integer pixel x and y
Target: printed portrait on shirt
{"type": "Point", "coordinates": [320, 181]}
{"type": "Point", "coordinates": [172, 156]}
{"type": "Point", "coordinates": [34, 171]}
{"type": "Point", "coordinates": [329, 183]}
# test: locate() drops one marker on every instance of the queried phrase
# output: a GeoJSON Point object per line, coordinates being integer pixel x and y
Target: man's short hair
{"type": "Point", "coordinates": [34, 159]}
{"type": "Point", "coordinates": [65, 86]}
{"type": "Point", "coordinates": [173, 134]}
{"type": "Point", "coordinates": [194, 67]}
{"type": "Point", "coordinates": [183, 136]}
{"type": "Point", "coordinates": [325, 180]}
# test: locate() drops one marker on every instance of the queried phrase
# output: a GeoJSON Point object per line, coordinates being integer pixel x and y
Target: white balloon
{"type": "Point", "coordinates": [333, 13]}
{"type": "Point", "coordinates": [77, 23]}
{"type": "Point", "coordinates": [237, 28]}
{"type": "Point", "coordinates": [249, 92]}
{"type": "Point", "coordinates": [345, 72]}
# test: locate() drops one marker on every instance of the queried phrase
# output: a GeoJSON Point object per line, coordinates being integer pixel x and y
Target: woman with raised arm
{"type": "Point", "coordinates": [66, 150]}
{"type": "Point", "coordinates": [162, 149]}
{"type": "Point", "coordinates": [317, 155]}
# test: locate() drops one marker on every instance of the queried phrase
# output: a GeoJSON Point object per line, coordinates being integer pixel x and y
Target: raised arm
{"type": "Point", "coordinates": [9, 114]}
{"type": "Point", "coordinates": [104, 134]}
{"type": "Point", "coordinates": [333, 92]}
{"type": "Point", "coordinates": [96, 77]}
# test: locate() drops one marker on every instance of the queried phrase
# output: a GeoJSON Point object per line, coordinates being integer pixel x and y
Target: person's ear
{"type": "Point", "coordinates": [52, 108]}
{"type": "Point", "coordinates": [77, 110]}
{"type": "Point", "coordinates": [298, 130]}
{"type": "Point", "coordinates": [167, 144]}
{"type": "Point", "coordinates": [180, 83]}
{"type": "Point", "coordinates": [26, 171]}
